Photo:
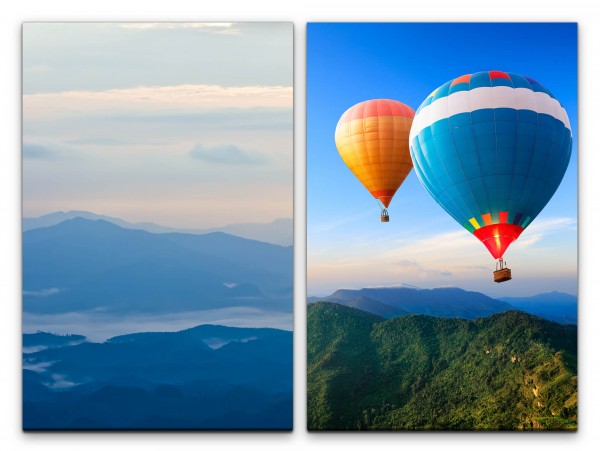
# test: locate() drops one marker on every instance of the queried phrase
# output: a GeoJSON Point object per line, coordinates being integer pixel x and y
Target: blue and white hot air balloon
{"type": "Point", "coordinates": [491, 148]}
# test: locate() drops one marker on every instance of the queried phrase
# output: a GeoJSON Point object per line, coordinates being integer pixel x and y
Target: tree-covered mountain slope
{"type": "Point", "coordinates": [508, 371]}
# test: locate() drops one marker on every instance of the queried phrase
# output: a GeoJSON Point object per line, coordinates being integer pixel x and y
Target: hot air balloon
{"type": "Point", "coordinates": [372, 139]}
{"type": "Point", "coordinates": [491, 148]}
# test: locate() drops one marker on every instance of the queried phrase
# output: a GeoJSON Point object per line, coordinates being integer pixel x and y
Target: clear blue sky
{"type": "Point", "coordinates": [347, 245]}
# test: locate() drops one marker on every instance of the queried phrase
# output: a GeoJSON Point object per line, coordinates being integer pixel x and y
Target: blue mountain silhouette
{"type": "Point", "coordinates": [170, 380]}
{"type": "Point", "coordinates": [81, 265]}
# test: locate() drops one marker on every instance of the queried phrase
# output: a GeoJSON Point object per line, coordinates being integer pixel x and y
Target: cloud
{"type": "Point", "coordinates": [209, 27]}
{"type": "Point", "coordinates": [98, 326]}
{"type": "Point", "coordinates": [99, 141]}
{"type": "Point", "coordinates": [38, 367]}
{"type": "Point", "coordinates": [538, 230]}
{"type": "Point", "coordinates": [226, 154]}
{"type": "Point", "coordinates": [433, 260]}
{"type": "Point", "coordinates": [39, 68]}
{"type": "Point", "coordinates": [39, 152]}
{"type": "Point", "coordinates": [60, 381]}
{"type": "Point", "coordinates": [551, 225]}
{"type": "Point", "coordinates": [415, 269]}
{"type": "Point", "coordinates": [43, 293]}
{"type": "Point", "coordinates": [153, 99]}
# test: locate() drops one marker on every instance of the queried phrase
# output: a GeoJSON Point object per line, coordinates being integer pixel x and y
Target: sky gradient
{"type": "Point", "coordinates": [422, 246]}
{"type": "Point", "coordinates": [185, 125]}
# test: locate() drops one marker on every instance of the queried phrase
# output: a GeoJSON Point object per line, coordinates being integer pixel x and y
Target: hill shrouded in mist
{"type": "Point", "coordinates": [280, 231]}
{"type": "Point", "coordinates": [451, 302]}
{"type": "Point", "coordinates": [206, 377]}
{"type": "Point", "coordinates": [82, 265]}
{"type": "Point", "coordinates": [508, 371]}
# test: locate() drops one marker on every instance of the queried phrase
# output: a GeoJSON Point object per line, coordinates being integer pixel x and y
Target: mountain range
{"type": "Point", "coordinates": [508, 371]}
{"type": "Point", "coordinates": [280, 231]}
{"type": "Point", "coordinates": [555, 306]}
{"type": "Point", "coordinates": [81, 264]}
{"type": "Point", "coordinates": [450, 302]}
{"type": "Point", "coordinates": [206, 377]}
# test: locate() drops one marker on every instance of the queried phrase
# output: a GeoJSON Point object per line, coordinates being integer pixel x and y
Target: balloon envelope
{"type": "Point", "coordinates": [491, 148]}
{"type": "Point", "coordinates": [372, 139]}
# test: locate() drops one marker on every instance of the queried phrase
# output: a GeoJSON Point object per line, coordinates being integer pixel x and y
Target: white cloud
{"type": "Point", "coordinates": [410, 267]}
{"type": "Point", "coordinates": [226, 154]}
{"type": "Point", "coordinates": [149, 99]}
{"type": "Point", "coordinates": [550, 225]}
{"type": "Point", "coordinates": [98, 327]}
{"type": "Point", "coordinates": [432, 260]}
{"type": "Point", "coordinates": [43, 293]}
{"type": "Point", "coordinates": [39, 68]}
{"type": "Point", "coordinates": [38, 367]}
{"type": "Point", "coordinates": [208, 27]}
{"type": "Point", "coordinates": [60, 381]}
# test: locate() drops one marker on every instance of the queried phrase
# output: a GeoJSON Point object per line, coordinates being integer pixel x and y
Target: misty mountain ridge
{"type": "Point", "coordinates": [395, 301]}
{"type": "Point", "coordinates": [278, 231]}
{"type": "Point", "coordinates": [555, 306]}
{"type": "Point", "coordinates": [451, 302]}
{"type": "Point", "coordinates": [80, 264]}
{"type": "Point", "coordinates": [205, 377]}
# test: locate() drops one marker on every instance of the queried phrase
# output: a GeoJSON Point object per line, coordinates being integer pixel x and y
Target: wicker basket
{"type": "Point", "coordinates": [502, 275]}
{"type": "Point", "coordinates": [385, 218]}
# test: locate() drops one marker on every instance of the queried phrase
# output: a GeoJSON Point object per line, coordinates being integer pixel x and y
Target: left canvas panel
{"type": "Point", "coordinates": [157, 226]}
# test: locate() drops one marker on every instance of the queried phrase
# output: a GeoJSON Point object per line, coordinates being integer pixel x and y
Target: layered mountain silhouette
{"type": "Point", "coordinates": [280, 231]}
{"type": "Point", "coordinates": [508, 371]}
{"type": "Point", "coordinates": [390, 302]}
{"type": "Point", "coordinates": [207, 377]}
{"type": "Point", "coordinates": [82, 264]}
{"type": "Point", "coordinates": [45, 340]}
{"type": "Point", "coordinates": [555, 306]}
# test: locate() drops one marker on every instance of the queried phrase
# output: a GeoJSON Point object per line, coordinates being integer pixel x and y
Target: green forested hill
{"type": "Point", "coordinates": [507, 371]}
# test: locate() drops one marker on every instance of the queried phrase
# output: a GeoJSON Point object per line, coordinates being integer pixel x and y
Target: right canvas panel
{"type": "Point", "coordinates": [442, 226]}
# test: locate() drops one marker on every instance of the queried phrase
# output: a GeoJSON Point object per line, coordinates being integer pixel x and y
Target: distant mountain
{"type": "Point", "coordinates": [280, 231]}
{"type": "Point", "coordinates": [366, 304]}
{"type": "Point", "coordinates": [81, 264]}
{"type": "Point", "coordinates": [508, 371]}
{"type": "Point", "coordinates": [44, 340]}
{"type": "Point", "coordinates": [207, 377]}
{"type": "Point", "coordinates": [399, 301]}
{"type": "Point", "coordinates": [554, 306]}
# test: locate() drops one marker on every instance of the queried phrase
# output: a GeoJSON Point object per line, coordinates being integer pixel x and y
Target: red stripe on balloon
{"type": "Point", "coordinates": [377, 108]}
{"type": "Point", "coordinates": [384, 195]}
{"type": "Point", "coordinates": [498, 74]}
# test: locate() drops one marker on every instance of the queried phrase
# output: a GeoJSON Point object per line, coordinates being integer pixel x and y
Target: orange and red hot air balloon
{"type": "Point", "coordinates": [372, 139]}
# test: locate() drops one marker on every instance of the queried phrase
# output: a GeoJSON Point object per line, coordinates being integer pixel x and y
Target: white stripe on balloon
{"type": "Point", "coordinates": [488, 97]}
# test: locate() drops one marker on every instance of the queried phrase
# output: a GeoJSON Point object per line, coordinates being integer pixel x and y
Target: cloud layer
{"type": "Point", "coordinates": [148, 121]}
{"type": "Point", "coordinates": [152, 99]}
{"type": "Point", "coordinates": [227, 154]}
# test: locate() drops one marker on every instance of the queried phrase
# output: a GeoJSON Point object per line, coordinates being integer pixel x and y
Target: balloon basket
{"type": "Point", "coordinates": [385, 217]}
{"type": "Point", "coordinates": [502, 275]}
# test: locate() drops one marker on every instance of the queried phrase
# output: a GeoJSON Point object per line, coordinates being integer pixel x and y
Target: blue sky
{"type": "Point", "coordinates": [188, 125]}
{"type": "Point", "coordinates": [347, 245]}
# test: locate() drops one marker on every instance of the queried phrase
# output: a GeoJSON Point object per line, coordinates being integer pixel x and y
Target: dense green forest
{"type": "Point", "coordinates": [508, 371]}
